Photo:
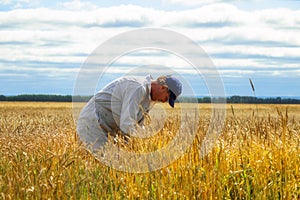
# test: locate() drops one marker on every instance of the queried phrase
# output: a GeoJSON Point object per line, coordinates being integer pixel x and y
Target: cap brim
{"type": "Point", "coordinates": [172, 99]}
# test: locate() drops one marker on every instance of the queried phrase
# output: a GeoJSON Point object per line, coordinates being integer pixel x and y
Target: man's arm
{"type": "Point", "coordinates": [130, 108]}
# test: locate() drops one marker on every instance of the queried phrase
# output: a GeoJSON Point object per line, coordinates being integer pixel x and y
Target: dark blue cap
{"type": "Point", "coordinates": [175, 88]}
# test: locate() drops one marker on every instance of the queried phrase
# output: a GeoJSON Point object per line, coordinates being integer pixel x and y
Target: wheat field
{"type": "Point", "coordinates": [256, 156]}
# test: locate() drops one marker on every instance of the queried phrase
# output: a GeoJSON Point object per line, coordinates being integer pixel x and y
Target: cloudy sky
{"type": "Point", "coordinates": [43, 44]}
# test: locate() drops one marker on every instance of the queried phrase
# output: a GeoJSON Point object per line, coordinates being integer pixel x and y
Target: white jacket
{"type": "Point", "coordinates": [121, 104]}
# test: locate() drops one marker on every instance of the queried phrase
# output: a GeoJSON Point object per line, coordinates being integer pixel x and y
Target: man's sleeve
{"type": "Point", "coordinates": [130, 109]}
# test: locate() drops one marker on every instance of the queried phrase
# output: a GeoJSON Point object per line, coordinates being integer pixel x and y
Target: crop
{"type": "Point", "coordinates": [256, 156]}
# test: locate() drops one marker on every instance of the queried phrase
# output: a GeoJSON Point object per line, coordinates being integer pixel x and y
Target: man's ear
{"type": "Point", "coordinates": [163, 87]}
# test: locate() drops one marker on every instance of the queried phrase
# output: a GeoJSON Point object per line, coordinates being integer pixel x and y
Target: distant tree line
{"type": "Point", "coordinates": [45, 97]}
{"type": "Point", "coordinates": [254, 100]}
{"type": "Point", "coordinates": [242, 99]}
{"type": "Point", "coordinates": [232, 99]}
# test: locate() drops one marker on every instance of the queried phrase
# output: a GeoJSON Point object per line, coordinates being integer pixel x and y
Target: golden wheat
{"type": "Point", "coordinates": [257, 156]}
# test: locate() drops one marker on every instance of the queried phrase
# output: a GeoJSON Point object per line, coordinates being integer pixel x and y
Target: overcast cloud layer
{"type": "Point", "coordinates": [43, 46]}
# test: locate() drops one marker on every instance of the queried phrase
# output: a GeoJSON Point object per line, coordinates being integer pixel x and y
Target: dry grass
{"type": "Point", "coordinates": [257, 156]}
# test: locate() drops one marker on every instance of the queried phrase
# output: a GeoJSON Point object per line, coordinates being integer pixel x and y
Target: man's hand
{"type": "Point", "coordinates": [126, 138]}
{"type": "Point", "coordinates": [121, 138]}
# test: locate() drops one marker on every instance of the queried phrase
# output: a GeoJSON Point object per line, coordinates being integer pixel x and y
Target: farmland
{"type": "Point", "coordinates": [256, 156]}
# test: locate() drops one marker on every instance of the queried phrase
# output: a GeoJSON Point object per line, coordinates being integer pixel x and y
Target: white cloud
{"type": "Point", "coordinates": [34, 71]}
{"type": "Point", "coordinates": [192, 2]}
{"type": "Point", "coordinates": [256, 38]}
{"type": "Point", "coordinates": [16, 4]}
{"type": "Point", "coordinates": [5, 2]}
{"type": "Point", "coordinates": [78, 5]}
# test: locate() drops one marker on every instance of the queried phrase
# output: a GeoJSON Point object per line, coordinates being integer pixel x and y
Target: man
{"type": "Point", "coordinates": [121, 105]}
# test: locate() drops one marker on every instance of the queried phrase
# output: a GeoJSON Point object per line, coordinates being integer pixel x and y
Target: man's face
{"type": "Point", "coordinates": [160, 93]}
